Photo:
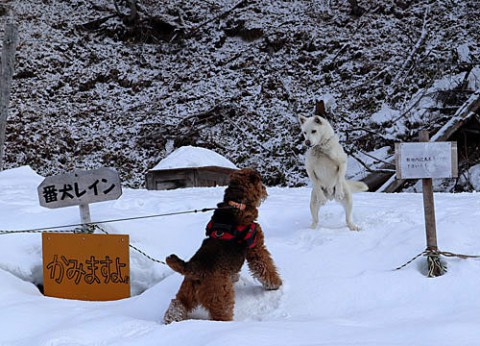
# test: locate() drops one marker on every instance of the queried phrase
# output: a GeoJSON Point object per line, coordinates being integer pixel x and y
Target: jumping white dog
{"type": "Point", "coordinates": [326, 163]}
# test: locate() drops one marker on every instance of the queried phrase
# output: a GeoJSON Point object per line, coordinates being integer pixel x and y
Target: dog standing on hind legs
{"type": "Point", "coordinates": [233, 236]}
{"type": "Point", "coordinates": [326, 164]}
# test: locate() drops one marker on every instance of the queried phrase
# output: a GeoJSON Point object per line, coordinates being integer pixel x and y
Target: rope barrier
{"type": "Point", "coordinates": [437, 253]}
{"type": "Point", "coordinates": [90, 227]}
{"type": "Point", "coordinates": [92, 224]}
{"type": "Point", "coordinates": [451, 254]}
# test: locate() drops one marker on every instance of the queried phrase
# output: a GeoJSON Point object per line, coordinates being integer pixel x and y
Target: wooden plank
{"type": "Point", "coordinates": [462, 115]}
{"type": "Point", "coordinates": [164, 179]}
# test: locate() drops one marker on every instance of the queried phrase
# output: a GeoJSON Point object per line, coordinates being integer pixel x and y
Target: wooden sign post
{"type": "Point", "coordinates": [80, 188]}
{"type": "Point", "coordinates": [84, 266]}
{"type": "Point", "coordinates": [427, 160]}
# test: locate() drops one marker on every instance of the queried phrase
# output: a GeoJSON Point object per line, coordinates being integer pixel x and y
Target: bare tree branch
{"type": "Point", "coordinates": [239, 4]}
{"type": "Point", "coordinates": [133, 17]}
{"type": "Point", "coordinates": [367, 167]}
{"type": "Point", "coordinates": [421, 40]}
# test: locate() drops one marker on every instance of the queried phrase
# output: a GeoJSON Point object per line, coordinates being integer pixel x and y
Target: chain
{"type": "Point", "coordinates": [413, 259]}
{"type": "Point", "coordinates": [90, 228]}
{"type": "Point", "coordinates": [147, 256]}
{"type": "Point", "coordinates": [133, 247]}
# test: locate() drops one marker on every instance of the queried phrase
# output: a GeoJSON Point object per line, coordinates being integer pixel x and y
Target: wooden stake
{"type": "Point", "coordinates": [435, 267]}
{"type": "Point", "coordinates": [85, 217]}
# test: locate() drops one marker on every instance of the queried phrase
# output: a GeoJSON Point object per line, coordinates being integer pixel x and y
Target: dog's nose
{"type": "Point", "coordinates": [307, 142]}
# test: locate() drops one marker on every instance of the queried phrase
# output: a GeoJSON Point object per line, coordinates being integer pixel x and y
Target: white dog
{"type": "Point", "coordinates": [326, 163]}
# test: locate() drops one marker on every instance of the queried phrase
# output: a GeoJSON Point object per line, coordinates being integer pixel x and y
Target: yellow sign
{"type": "Point", "coordinates": [86, 266]}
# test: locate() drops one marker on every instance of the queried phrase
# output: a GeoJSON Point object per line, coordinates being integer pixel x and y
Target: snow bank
{"type": "Point", "coordinates": [189, 156]}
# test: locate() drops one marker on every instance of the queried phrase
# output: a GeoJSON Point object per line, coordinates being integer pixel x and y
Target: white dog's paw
{"type": "Point", "coordinates": [321, 199]}
{"type": "Point", "coordinates": [339, 193]}
{"type": "Point", "coordinates": [314, 225]}
{"type": "Point", "coordinates": [353, 227]}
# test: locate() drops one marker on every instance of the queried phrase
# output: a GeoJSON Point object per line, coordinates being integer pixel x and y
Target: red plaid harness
{"type": "Point", "coordinates": [242, 234]}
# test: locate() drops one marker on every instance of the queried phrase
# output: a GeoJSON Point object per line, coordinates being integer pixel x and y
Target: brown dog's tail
{"type": "Point", "coordinates": [181, 267]}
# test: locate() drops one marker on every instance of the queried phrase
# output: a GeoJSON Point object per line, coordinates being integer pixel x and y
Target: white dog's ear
{"type": "Point", "coordinates": [302, 119]}
{"type": "Point", "coordinates": [318, 120]}
{"type": "Point", "coordinates": [320, 108]}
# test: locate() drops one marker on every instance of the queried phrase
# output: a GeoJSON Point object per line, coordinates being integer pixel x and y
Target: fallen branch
{"type": "Point", "coordinates": [221, 15]}
{"type": "Point", "coordinates": [95, 24]}
{"type": "Point", "coordinates": [367, 167]}
{"type": "Point", "coordinates": [467, 111]}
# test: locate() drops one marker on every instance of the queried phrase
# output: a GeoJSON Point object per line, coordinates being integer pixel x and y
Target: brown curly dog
{"type": "Point", "coordinates": [233, 236]}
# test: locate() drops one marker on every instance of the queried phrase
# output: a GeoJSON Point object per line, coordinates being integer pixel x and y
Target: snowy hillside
{"type": "Point", "coordinates": [340, 287]}
{"type": "Point", "coordinates": [96, 86]}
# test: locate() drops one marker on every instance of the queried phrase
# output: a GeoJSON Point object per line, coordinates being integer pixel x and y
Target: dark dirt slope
{"type": "Point", "coordinates": [97, 85]}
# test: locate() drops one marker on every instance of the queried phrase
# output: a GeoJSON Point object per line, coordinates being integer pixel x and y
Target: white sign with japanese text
{"type": "Point", "coordinates": [426, 160]}
{"type": "Point", "coordinates": [80, 188]}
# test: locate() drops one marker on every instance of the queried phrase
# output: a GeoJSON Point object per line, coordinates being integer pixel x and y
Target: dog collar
{"type": "Point", "coordinates": [236, 205]}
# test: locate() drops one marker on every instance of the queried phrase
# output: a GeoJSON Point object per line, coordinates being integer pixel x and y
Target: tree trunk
{"type": "Point", "coordinates": [357, 10]}
{"type": "Point", "coordinates": [8, 59]}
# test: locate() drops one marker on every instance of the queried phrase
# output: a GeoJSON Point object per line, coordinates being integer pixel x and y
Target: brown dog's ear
{"type": "Point", "coordinates": [320, 108]}
{"type": "Point", "coordinates": [255, 177]}
{"type": "Point", "coordinates": [302, 119]}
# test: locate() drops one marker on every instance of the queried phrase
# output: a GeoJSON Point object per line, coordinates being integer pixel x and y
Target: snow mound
{"type": "Point", "coordinates": [25, 173]}
{"type": "Point", "coordinates": [190, 156]}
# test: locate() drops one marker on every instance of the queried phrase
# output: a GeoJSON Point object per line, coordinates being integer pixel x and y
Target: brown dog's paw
{"type": "Point", "coordinates": [176, 312]}
{"type": "Point", "coordinates": [235, 277]}
{"type": "Point", "coordinates": [273, 284]}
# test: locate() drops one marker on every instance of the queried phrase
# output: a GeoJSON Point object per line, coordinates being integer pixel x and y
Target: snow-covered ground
{"type": "Point", "coordinates": [340, 287]}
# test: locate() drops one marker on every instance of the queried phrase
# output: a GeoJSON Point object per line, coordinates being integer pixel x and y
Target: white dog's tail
{"type": "Point", "coordinates": [357, 186]}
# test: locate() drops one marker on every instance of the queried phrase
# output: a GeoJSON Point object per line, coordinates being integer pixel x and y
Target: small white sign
{"type": "Point", "coordinates": [80, 188]}
{"type": "Point", "coordinates": [426, 160]}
